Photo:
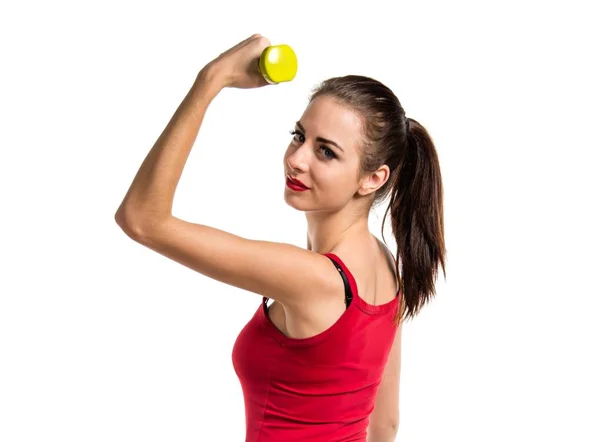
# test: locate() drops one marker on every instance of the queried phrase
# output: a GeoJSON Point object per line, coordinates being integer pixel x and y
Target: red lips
{"type": "Point", "coordinates": [297, 182]}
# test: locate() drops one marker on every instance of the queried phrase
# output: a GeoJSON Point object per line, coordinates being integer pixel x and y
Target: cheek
{"type": "Point", "coordinates": [343, 184]}
{"type": "Point", "coordinates": [335, 184]}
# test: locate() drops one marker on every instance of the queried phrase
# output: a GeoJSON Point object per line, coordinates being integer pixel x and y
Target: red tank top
{"type": "Point", "coordinates": [320, 388]}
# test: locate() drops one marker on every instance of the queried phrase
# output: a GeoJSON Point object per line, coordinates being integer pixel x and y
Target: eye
{"type": "Point", "coordinates": [326, 149]}
{"type": "Point", "coordinates": [295, 132]}
{"type": "Point", "coordinates": [323, 149]}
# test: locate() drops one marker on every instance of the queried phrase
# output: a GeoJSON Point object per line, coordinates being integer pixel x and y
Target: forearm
{"type": "Point", "coordinates": [150, 196]}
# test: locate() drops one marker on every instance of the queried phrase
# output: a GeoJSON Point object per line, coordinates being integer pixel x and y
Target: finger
{"type": "Point", "coordinates": [242, 43]}
{"type": "Point", "coordinates": [253, 38]}
{"type": "Point", "coordinates": [264, 41]}
{"type": "Point", "coordinates": [259, 45]}
{"type": "Point", "coordinates": [249, 39]}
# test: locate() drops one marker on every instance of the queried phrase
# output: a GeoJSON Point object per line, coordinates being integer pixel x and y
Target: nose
{"type": "Point", "coordinates": [298, 159]}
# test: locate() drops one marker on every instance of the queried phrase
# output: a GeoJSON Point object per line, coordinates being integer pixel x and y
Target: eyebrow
{"type": "Point", "coordinates": [321, 139]}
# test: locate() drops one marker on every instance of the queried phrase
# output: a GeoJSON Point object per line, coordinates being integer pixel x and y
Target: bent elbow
{"type": "Point", "coordinates": [127, 225]}
{"type": "Point", "coordinates": [383, 432]}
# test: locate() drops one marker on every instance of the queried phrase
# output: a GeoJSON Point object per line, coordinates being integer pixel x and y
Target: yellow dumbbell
{"type": "Point", "coordinates": [278, 63]}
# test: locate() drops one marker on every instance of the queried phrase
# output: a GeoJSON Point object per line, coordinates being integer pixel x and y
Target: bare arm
{"type": "Point", "coordinates": [384, 420]}
{"type": "Point", "coordinates": [150, 197]}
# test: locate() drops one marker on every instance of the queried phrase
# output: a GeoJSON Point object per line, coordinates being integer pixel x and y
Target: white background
{"type": "Point", "coordinates": [102, 339]}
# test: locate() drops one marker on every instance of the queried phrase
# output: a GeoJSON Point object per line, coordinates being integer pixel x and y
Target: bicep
{"type": "Point", "coordinates": [386, 413]}
{"type": "Point", "coordinates": [285, 272]}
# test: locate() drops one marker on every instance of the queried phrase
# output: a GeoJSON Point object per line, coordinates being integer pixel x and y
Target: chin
{"type": "Point", "coordinates": [291, 200]}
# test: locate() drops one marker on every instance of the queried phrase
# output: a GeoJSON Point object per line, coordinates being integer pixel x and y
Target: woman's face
{"type": "Point", "coordinates": [330, 172]}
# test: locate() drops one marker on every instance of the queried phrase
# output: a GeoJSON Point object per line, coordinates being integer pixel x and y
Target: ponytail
{"type": "Point", "coordinates": [417, 218]}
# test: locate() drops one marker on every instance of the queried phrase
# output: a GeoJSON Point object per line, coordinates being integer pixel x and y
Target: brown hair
{"type": "Point", "coordinates": [415, 182]}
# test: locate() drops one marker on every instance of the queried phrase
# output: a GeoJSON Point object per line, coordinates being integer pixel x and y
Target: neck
{"type": "Point", "coordinates": [327, 230]}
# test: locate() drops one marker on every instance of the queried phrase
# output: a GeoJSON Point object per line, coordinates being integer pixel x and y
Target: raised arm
{"type": "Point", "coordinates": [384, 420]}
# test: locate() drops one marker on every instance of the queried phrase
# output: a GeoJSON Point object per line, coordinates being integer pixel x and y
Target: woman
{"type": "Point", "coordinates": [322, 362]}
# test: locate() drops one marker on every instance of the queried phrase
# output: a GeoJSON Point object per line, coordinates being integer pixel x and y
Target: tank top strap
{"type": "Point", "coordinates": [348, 289]}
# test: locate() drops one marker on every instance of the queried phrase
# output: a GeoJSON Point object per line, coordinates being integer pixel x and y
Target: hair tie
{"type": "Point", "coordinates": [407, 126]}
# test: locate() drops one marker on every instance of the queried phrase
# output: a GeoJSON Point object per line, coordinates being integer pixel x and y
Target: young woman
{"type": "Point", "coordinates": [322, 361]}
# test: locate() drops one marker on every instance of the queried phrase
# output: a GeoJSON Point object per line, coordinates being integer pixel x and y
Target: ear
{"type": "Point", "coordinates": [374, 180]}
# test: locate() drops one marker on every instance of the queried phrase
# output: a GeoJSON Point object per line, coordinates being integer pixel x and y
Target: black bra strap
{"type": "Point", "coordinates": [346, 283]}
